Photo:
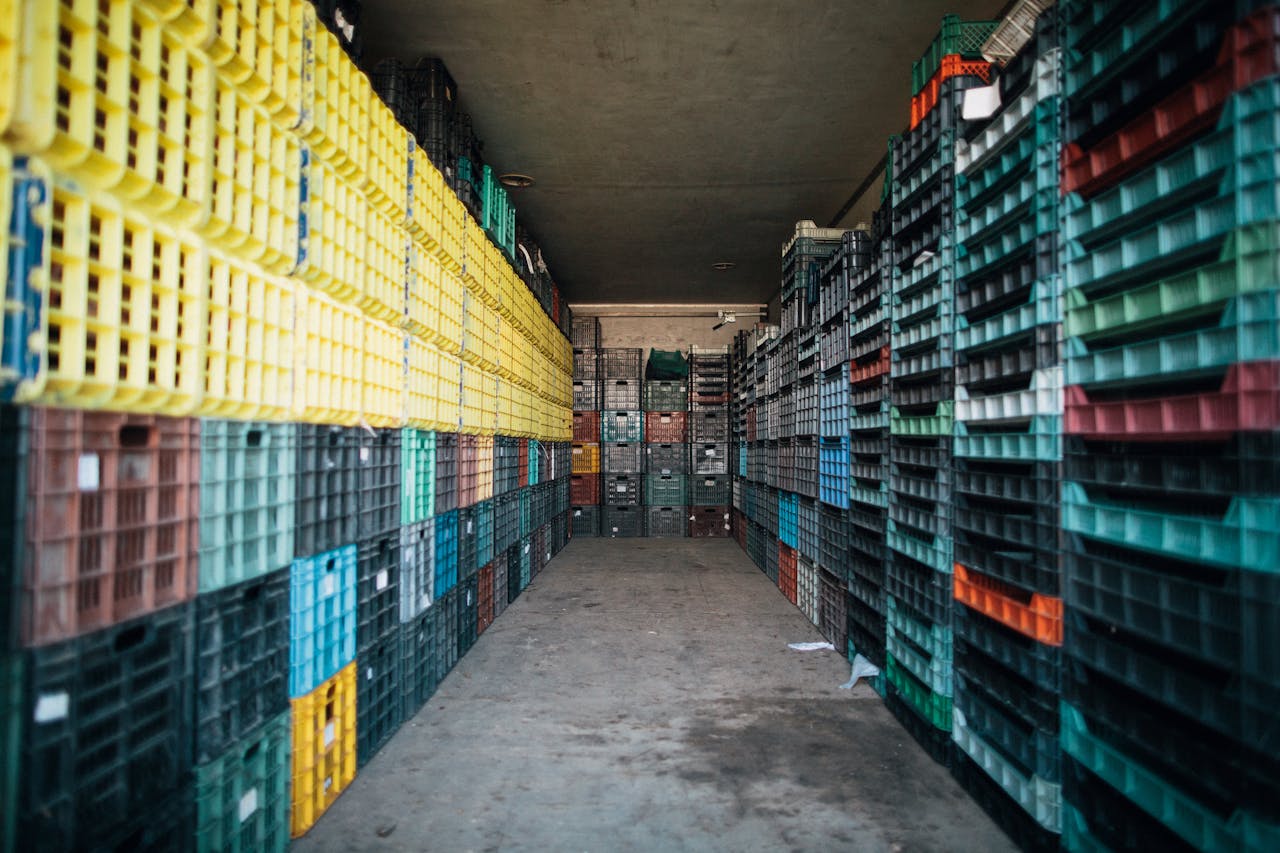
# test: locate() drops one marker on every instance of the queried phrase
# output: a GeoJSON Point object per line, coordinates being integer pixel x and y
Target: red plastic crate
{"type": "Point", "coordinates": [859, 373]}
{"type": "Point", "coordinates": [665, 427]}
{"type": "Point", "coordinates": [740, 529]}
{"type": "Point", "coordinates": [484, 596]}
{"type": "Point", "coordinates": [707, 522]}
{"type": "Point", "coordinates": [522, 457]}
{"type": "Point", "coordinates": [586, 427]}
{"type": "Point", "coordinates": [751, 422]}
{"type": "Point", "coordinates": [787, 571]}
{"type": "Point", "coordinates": [1249, 399]}
{"type": "Point", "coordinates": [1030, 613]}
{"type": "Point", "coordinates": [112, 519]}
{"type": "Point", "coordinates": [1250, 52]}
{"type": "Point", "coordinates": [953, 65]}
{"type": "Point", "coordinates": [584, 489]}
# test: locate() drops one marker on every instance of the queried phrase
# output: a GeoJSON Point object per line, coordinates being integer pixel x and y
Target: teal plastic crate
{"type": "Point", "coordinates": [1245, 536]}
{"type": "Point", "coordinates": [938, 424]}
{"type": "Point", "coordinates": [246, 500]}
{"type": "Point", "coordinates": [938, 553]}
{"type": "Point", "coordinates": [1200, 826]}
{"type": "Point", "coordinates": [1042, 308]}
{"type": "Point", "coordinates": [1039, 798]}
{"type": "Point", "coordinates": [11, 682]}
{"type": "Point", "coordinates": [1040, 440]}
{"type": "Point", "coordinates": [955, 36]}
{"type": "Point", "coordinates": [934, 671]}
{"type": "Point", "coordinates": [417, 475]}
{"type": "Point", "coordinates": [1033, 196]}
{"type": "Point", "coordinates": [934, 708]}
{"type": "Point", "coordinates": [1001, 242]}
{"type": "Point", "coordinates": [242, 797]}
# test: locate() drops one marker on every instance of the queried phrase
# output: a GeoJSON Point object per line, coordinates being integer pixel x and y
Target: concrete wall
{"type": "Point", "coordinates": [666, 327]}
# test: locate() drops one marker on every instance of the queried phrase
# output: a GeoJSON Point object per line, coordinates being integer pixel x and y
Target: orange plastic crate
{"type": "Point", "coordinates": [953, 65]}
{"type": "Point", "coordinates": [1033, 614]}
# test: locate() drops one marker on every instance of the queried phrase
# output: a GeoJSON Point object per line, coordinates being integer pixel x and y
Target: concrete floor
{"type": "Point", "coordinates": [641, 696]}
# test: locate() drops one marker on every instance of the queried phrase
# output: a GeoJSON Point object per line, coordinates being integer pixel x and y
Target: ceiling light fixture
{"type": "Point", "coordinates": [723, 266]}
{"type": "Point", "coordinates": [515, 180]}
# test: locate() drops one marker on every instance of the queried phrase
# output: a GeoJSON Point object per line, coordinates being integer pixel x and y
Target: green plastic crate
{"type": "Point", "coordinates": [954, 37]}
{"type": "Point", "coordinates": [417, 475]}
{"type": "Point", "coordinates": [932, 707]}
{"type": "Point", "coordinates": [10, 743]}
{"type": "Point", "coordinates": [1042, 442]}
{"type": "Point", "coordinates": [938, 424]}
{"type": "Point", "coordinates": [242, 797]}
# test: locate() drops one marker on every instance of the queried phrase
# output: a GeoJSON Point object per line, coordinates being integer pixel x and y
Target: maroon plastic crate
{"type": "Point", "coordinates": [112, 519]}
{"type": "Point", "coordinates": [584, 489]}
{"type": "Point", "coordinates": [709, 521]}
{"type": "Point", "coordinates": [664, 427]}
{"type": "Point", "coordinates": [586, 426]}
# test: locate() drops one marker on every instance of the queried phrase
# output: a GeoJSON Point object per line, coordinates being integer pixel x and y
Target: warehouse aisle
{"type": "Point", "coordinates": [641, 696]}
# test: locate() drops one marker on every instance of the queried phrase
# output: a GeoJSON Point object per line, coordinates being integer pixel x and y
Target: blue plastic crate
{"type": "Point", "coordinates": [446, 553]}
{"type": "Point", "coordinates": [833, 411]}
{"type": "Point", "coordinates": [322, 617]}
{"type": "Point", "coordinates": [833, 472]}
{"type": "Point", "coordinates": [788, 519]}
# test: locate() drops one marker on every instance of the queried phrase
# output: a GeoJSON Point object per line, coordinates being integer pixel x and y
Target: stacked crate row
{"type": "Point", "coordinates": [241, 303]}
{"type": "Point", "coordinates": [666, 460]}
{"type": "Point", "coordinates": [608, 450]}
{"type": "Point", "coordinates": [710, 490]}
{"type": "Point", "coordinates": [1171, 499]}
{"type": "Point", "coordinates": [585, 494]}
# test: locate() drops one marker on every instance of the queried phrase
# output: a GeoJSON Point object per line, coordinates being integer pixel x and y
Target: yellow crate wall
{"type": "Point", "coordinates": [422, 385]}
{"type": "Point", "coordinates": [330, 363]}
{"type": "Point", "coordinates": [422, 311]}
{"type": "Point", "coordinates": [387, 181]}
{"type": "Point", "coordinates": [426, 187]}
{"type": "Point", "coordinates": [258, 45]}
{"type": "Point", "coordinates": [323, 748]}
{"type": "Point", "coordinates": [448, 332]}
{"type": "Point", "coordinates": [337, 124]}
{"type": "Point", "coordinates": [10, 36]}
{"type": "Point", "coordinates": [382, 381]}
{"type": "Point", "coordinates": [453, 220]}
{"type": "Point", "coordinates": [331, 250]}
{"type": "Point", "coordinates": [450, 407]}
{"type": "Point", "coordinates": [382, 295]}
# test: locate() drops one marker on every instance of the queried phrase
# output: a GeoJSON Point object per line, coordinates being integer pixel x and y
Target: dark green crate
{"type": "Point", "coordinates": [666, 490]}
{"type": "Point", "coordinates": [242, 796]}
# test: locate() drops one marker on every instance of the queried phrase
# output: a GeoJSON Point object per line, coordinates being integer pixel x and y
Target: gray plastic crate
{"type": "Point", "coordinates": [621, 393]}
{"type": "Point", "coordinates": [584, 521]}
{"type": "Point", "coordinates": [622, 457]}
{"type": "Point", "coordinates": [585, 332]}
{"type": "Point", "coordinates": [666, 458]}
{"type": "Point", "coordinates": [666, 396]}
{"type": "Point", "coordinates": [623, 521]}
{"type": "Point", "coordinates": [709, 489]}
{"type": "Point", "coordinates": [586, 395]}
{"type": "Point", "coordinates": [586, 363]}
{"type": "Point", "coordinates": [621, 489]}
{"type": "Point", "coordinates": [668, 522]}
{"type": "Point", "coordinates": [621, 363]}
{"type": "Point", "coordinates": [708, 425]}
{"type": "Point", "coordinates": [710, 458]}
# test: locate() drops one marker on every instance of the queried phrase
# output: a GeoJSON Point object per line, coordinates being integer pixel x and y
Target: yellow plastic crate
{"type": "Point", "coordinates": [8, 376]}
{"type": "Point", "coordinates": [472, 328]}
{"type": "Point", "coordinates": [507, 354]}
{"type": "Point", "coordinates": [331, 246]}
{"type": "Point", "coordinates": [337, 124]}
{"type": "Point", "coordinates": [585, 457]}
{"type": "Point", "coordinates": [484, 467]}
{"type": "Point", "coordinates": [453, 223]}
{"type": "Point", "coordinates": [110, 96]}
{"type": "Point", "coordinates": [10, 35]}
{"type": "Point", "coordinates": [329, 366]}
{"type": "Point", "coordinates": [473, 255]}
{"type": "Point", "coordinates": [257, 172]}
{"type": "Point", "coordinates": [383, 292]}
{"type": "Point", "coordinates": [249, 346]}
{"type": "Point", "coordinates": [382, 382]}
{"type": "Point", "coordinates": [121, 319]}
{"type": "Point", "coordinates": [505, 405]}
{"type": "Point", "coordinates": [422, 315]}
{"type": "Point", "coordinates": [448, 331]}
{"type": "Point", "coordinates": [388, 182]}
{"type": "Point", "coordinates": [324, 748]}
{"type": "Point", "coordinates": [473, 399]}
{"type": "Point", "coordinates": [495, 267]}
{"type": "Point", "coordinates": [449, 408]}
{"type": "Point", "coordinates": [426, 408]}
{"type": "Point", "coordinates": [426, 185]}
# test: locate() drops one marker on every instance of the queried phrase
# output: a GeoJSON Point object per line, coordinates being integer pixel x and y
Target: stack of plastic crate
{"type": "Point", "coordinates": [1171, 495]}
{"type": "Point", "coordinates": [922, 262]}
{"type": "Point", "coordinates": [622, 442]}
{"type": "Point", "coordinates": [666, 462]}
{"type": "Point", "coordinates": [710, 485]}
{"type": "Point", "coordinates": [741, 414]}
{"type": "Point", "coordinates": [1008, 388]}
{"type": "Point", "coordinates": [586, 434]}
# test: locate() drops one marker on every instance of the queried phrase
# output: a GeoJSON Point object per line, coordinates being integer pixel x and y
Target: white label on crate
{"type": "Point", "coordinates": [51, 707]}
{"type": "Point", "coordinates": [87, 472]}
{"type": "Point", "coordinates": [248, 804]}
{"type": "Point", "coordinates": [468, 598]}
{"type": "Point", "coordinates": [711, 451]}
{"type": "Point", "coordinates": [364, 454]}
{"type": "Point", "coordinates": [329, 586]}
{"type": "Point", "coordinates": [329, 734]}
{"type": "Point", "coordinates": [380, 581]}
{"type": "Point", "coordinates": [708, 482]}
{"type": "Point", "coordinates": [666, 419]}
{"type": "Point", "coordinates": [468, 527]}
{"type": "Point", "coordinates": [368, 673]}
{"type": "Point", "coordinates": [328, 783]}
{"type": "Point", "coordinates": [577, 513]}
{"type": "Point", "coordinates": [622, 489]}
{"type": "Point", "coordinates": [526, 549]}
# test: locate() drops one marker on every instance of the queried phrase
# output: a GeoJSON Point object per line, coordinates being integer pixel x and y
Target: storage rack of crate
{"type": "Point", "coordinates": [270, 442]}
{"type": "Point", "coordinates": [622, 448]}
{"type": "Point", "coordinates": [585, 497]}
{"type": "Point", "coordinates": [666, 457]}
{"type": "Point", "coordinates": [709, 430]}
{"type": "Point", "coordinates": [1170, 493]}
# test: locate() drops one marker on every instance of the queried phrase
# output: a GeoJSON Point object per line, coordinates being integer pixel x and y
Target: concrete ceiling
{"type": "Point", "coordinates": [665, 136]}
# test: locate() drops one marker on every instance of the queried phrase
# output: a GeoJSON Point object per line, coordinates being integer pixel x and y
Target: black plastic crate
{"type": "Point", "coordinates": [378, 696]}
{"type": "Point", "coordinates": [107, 741]}
{"type": "Point", "coordinates": [585, 332]}
{"type": "Point", "coordinates": [622, 489]}
{"type": "Point", "coordinates": [1102, 815]}
{"type": "Point", "coordinates": [833, 546]}
{"type": "Point", "coordinates": [621, 363]}
{"type": "Point", "coordinates": [708, 426]}
{"type": "Point", "coordinates": [468, 550]}
{"type": "Point", "coordinates": [1034, 750]}
{"type": "Point", "coordinates": [506, 520]}
{"type": "Point", "coordinates": [992, 646]}
{"type": "Point", "coordinates": [418, 661]}
{"type": "Point", "coordinates": [709, 458]}
{"type": "Point", "coordinates": [446, 472]}
{"type": "Point", "coordinates": [710, 489]}
{"type": "Point", "coordinates": [586, 363]}
{"type": "Point", "coordinates": [516, 555]}
{"type": "Point", "coordinates": [936, 742]}
{"type": "Point", "coordinates": [1014, 542]}
{"type": "Point", "coordinates": [804, 472]}
{"type": "Point", "coordinates": [446, 633]}
{"type": "Point", "coordinates": [467, 603]}
{"type": "Point", "coordinates": [832, 610]}
{"type": "Point", "coordinates": [666, 490]}
{"type": "Point", "coordinates": [865, 628]}
{"type": "Point", "coordinates": [709, 521]}
{"type": "Point", "coordinates": [663, 395]}
{"type": "Point", "coordinates": [621, 394]}
{"type": "Point", "coordinates": [379, 498]}
{"type": "Point", "coordinates": [623, 521]}
{"type": "Point", "coordinates": [584, 522]}
{"type": "Point", "coordinates": [1007, 813]}
{"type": "Point", "coordinates": [622, 457]}
{"type": "Point", "coordinates": [377, 589]}
{"type": "Point", "coordinates": [1246, 464]}
{"type": "Point", "coordinates": [919, 586]}
{"type": "Point", "coordinates": [506, 464]}
{"type": "Point", "coordinates": [242, 653]}
{"type": "Point", "coordinates": [667, 521]}
{"type": "Point", "coordinates": [666, 458]}
{"type": "Point", "coordinates": [586, 395]}
{"type": "Point", "coordinates": [327, 505]}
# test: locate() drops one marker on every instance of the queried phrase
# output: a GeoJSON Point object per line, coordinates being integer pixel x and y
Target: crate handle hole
{"type": "Point", "coordinates": [135, 435]}
{"type": "Point", "coordinates": [130, 637]}
{"type": "Point", "coordinates": [252, 751]}
{"type": "Point", "coordinates": [253, 438]}
{"type": "Point", "coordinates": [254, 592]}
{"type": "Point", "coordinates": [330, 564]}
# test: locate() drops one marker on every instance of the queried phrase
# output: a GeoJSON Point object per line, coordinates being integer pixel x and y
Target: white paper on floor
{"type": "Point", "coordinates": [862, 668]}
{"type": "Point", "coordinates": [810, 647]}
